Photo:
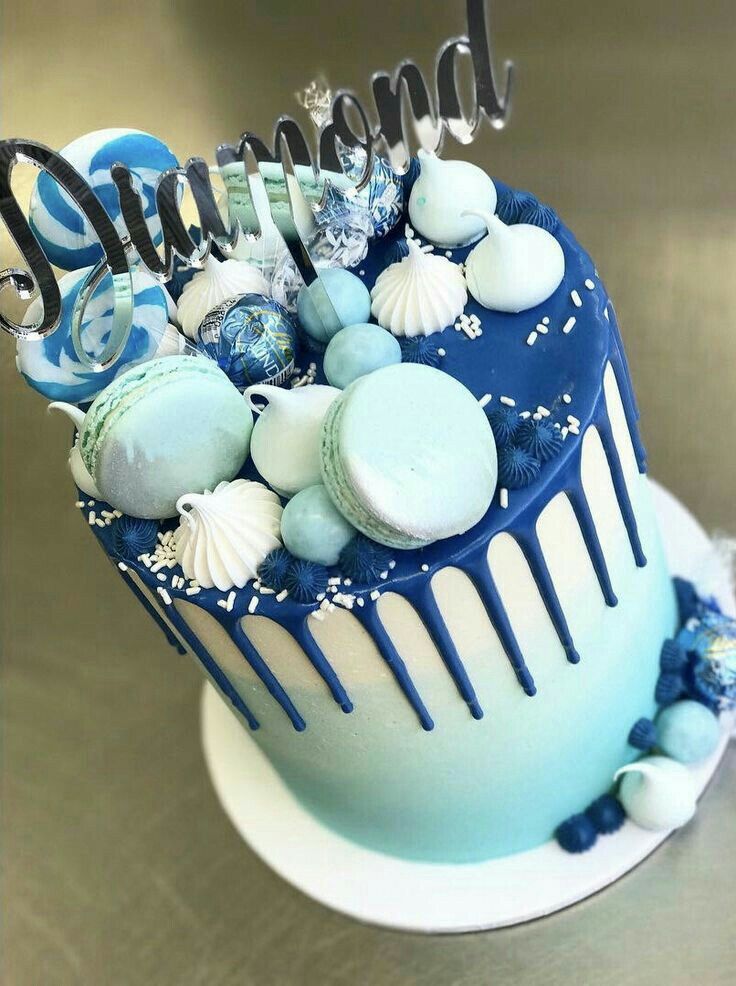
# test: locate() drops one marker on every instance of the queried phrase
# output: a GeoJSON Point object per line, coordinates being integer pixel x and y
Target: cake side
{"type": "Point", "coordinates": [470, 669]}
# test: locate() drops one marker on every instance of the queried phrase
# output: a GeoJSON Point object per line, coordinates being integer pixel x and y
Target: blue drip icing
{"type": "Point", "coordinates": [480, 573]}
{"type": "Point", "coordinates": [529, 543]}
{"type": "Point", "coordinates": [619, 485]}
{"type": "Point", "coordinates": [273, 686]}
{"type": "Point", "coordinates": [301, 633]}
{"type": "Point", "coordinates": [212, 668]}
{"type": "Point", "coordinates": [431, 617]}
{"type": "Point", "coordinates": [372, 622]}
{"type": "Point", "coordinates": [581, 509]}
{"type": "Point", "coordinates": [161, 623]}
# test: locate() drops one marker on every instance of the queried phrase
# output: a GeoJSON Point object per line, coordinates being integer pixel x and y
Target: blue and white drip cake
{"type": "Point", "coordinates": [454, 702]}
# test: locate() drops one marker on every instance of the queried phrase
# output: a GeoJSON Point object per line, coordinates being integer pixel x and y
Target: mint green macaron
{"type": "Point", "coordinates": [171, 426]}
{"type": "Point", "coordinates": [408, 456]}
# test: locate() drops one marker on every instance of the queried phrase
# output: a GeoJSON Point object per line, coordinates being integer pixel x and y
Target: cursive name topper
{"type": "Point", "coordinates": [432, 117]}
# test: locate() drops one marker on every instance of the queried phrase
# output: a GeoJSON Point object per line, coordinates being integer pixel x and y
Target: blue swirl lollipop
{"type": "Point", "coordinates": [51, 365]}
{"type": "Point", "coordinates": [59, 224]}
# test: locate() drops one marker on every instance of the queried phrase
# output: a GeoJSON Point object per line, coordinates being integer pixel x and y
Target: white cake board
{"type": "Point", "coordinates": [431, 897]}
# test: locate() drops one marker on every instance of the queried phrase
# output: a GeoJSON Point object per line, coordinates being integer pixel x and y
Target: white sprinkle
{"type": "Point", "coordinates": [360, 601]}
{"type": "Point", "coordinates": [568, 326]}
{"type": "Point", "coordinates": [478, 332]}
{"type": "Point", "coordinates": [362, 273]}
{"type": "Point", "coordinates": [541, 409]}
{"type": "Point", "coordinates": [332, 589]}
{"type": "Point", "coordinates": [392, 565]}
{"type": "Point", "coordinates": [557, 425]}
{"type": "Point", "coordinates": [589, 284]}
{"type": "Point", "coordinates": [574, 430]}
{"type": "Point", "coordinates": [468, 329]}
{"type": "Point", "coordinates": [91, 519]}
{"type": "Point", "coordinates": [572, 420]}
{"type": "Point", "coordinates": [90, 503]}
{"type": "Point", "coordinates": [383, 575]}
{"type": "Point", "coordinates": [122, 566]}
{"type": "Point", "coordinates": [576, 299]}
{"type": "Point", "coordinates": [425, 568]}
{"type": "Point", "coordinates": [567, 399]}
{"type": "Point", "coordinates": [485, 399]}
{"type": "Point", "coordinates": [118, 513]}
{"type": "Point", "coordinates": [375, 595]}
{"type": "Point", "coordinates": [508, 401]}
{"type": "Point", "coordinates": [545, 320]}
{"type": "Point", "coordinates": [320, 597]}
{"type": "Point", "coordinates": [164, 595]}
{"type": "Point", "coordinates": [230, 602]}
{"type": "Point", "coordinates": [256, 585]}
{"type": "Point", "coordinates": [605, 312]}
{"type": "Point", "coordinates": [336, 581]}
{"type": "Point", "coordinates": [192, 590]}
{"type": "Point", "coordinates": [542, 328]}
{"type": "Point", "coordinates": [253, 604]}
{"type": "Point", "coordinates": [458, 326]}
{"type": "Point", "coordinates": [79, 503]}
{"type": "Point", "coordinates": [347, 582]}
{"type": "Point", "coordinates": [531, 338]}
{"type": "Point", "coordinates": [525, 414]}
{"type": "Point", "coordinates": [100, 523]}
{"type": "Point", "coordinates": [536, 416]}
{"type": "Point", "coordinates": [316, 615]}
{"type": "Point", "coordinates": [282, 595]}
{"type": "Point", "coordinates": [564, 433]}
{"type": "Point", "coordinates": [441, 352]}
{"type": "Point", "coordinates": [265, 591]}
{"type": "Point", "coordinates": [161, 577]}
{"type": "Point", "coordinates": [448, 253]}
{"type": "Point", "coordinates": [222, 604]}
{"type": "Point", "coordinates": [503, 497]}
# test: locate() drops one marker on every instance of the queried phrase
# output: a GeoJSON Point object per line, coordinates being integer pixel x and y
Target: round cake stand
{"type": "Point", "coordinates": [431, 897]}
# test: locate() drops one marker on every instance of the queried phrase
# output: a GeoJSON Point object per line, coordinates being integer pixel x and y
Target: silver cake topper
{"type": "Point", "coordinates": [432, 117]}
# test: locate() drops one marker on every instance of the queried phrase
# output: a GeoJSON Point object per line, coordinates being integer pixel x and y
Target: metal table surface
{"type": "Point", "coordinates": [118, 866]}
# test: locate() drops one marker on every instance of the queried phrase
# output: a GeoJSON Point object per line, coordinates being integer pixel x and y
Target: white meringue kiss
{"type": "Point", "coordinates": [224, 536]}
{"type": "Point", "coordinates": [215, 283]}
{"type": "Point", "coordinates": [421, 294]}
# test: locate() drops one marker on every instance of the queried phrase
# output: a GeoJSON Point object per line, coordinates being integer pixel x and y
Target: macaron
{"type": "Point", "coordinates": [168, 427]}
{"type": "Point", "coordinates": [408, 456]}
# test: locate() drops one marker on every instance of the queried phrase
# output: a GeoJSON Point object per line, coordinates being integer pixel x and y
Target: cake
{"type": "Point", "coordinates": [429, 578]}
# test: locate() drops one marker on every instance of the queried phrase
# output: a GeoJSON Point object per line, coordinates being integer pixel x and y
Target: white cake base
{"type": "Point", "coordinates": [431, 897]}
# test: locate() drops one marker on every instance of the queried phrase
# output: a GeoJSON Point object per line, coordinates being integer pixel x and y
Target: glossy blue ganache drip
{"type": "Point", "coordinates": [563, 373]}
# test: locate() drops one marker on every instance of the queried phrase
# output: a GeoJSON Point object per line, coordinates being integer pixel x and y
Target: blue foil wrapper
{"type": "Point", "coordinates": [253, 339]}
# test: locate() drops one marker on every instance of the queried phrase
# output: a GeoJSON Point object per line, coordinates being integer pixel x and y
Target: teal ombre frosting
{"type": "Point", "coordinates": [408, 456]}
{"type": "Point", "coordinates": [172, 426]}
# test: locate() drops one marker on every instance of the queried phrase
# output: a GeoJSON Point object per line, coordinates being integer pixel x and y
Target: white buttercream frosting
{"type": "Point", "coordinates": [224, 536]}
{"type": "Point", "coordinates": [421, 294]}
{"type": "Point", "coordinates": [218, 281]}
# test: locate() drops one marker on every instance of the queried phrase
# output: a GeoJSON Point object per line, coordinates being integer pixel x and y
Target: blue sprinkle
{"type": "Point", "coordinates": [541, 438]}
{"type": "Point", "coordinates": [576, 834]}
{"type": "Point", "coordinates": [688, 601]}
{"type": "Point", "coordinates": [363, 560]}
{"type": "Point", "coordinates": [672, 657]}
{"type": "Point", "coordinates": [272, 570]}
{"type": "Point", "coordinates": [132, 537]}
{"type": "Point", "coordinates": [669, 688]}
{"type": "Point", "coordinates": [607, 814]}
{"type": "Point", "coordinates": [540, 215]}
{"type": "Point", "coordinates": [420, 349]}
{"type": "Point", "coordinates": [305, 580]}
{"type": "Point", "coordinates": [517, 468]}
{"type": "Point", "coordinates": [505, 423]}
{"type": "Point", "coordinates": [643, 734]}
{"type": "Point", "coordinates": [511, 203]}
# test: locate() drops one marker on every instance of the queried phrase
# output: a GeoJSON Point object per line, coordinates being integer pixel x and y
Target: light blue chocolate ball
{"type": "Point", "coordinates": [357, 350]}
{"type": "Point", "coordinates": [687, 731]}
{"type": "Point", "coordinates": [351, 301]}
{"type": "Point", "coordinates": [313, 528]}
